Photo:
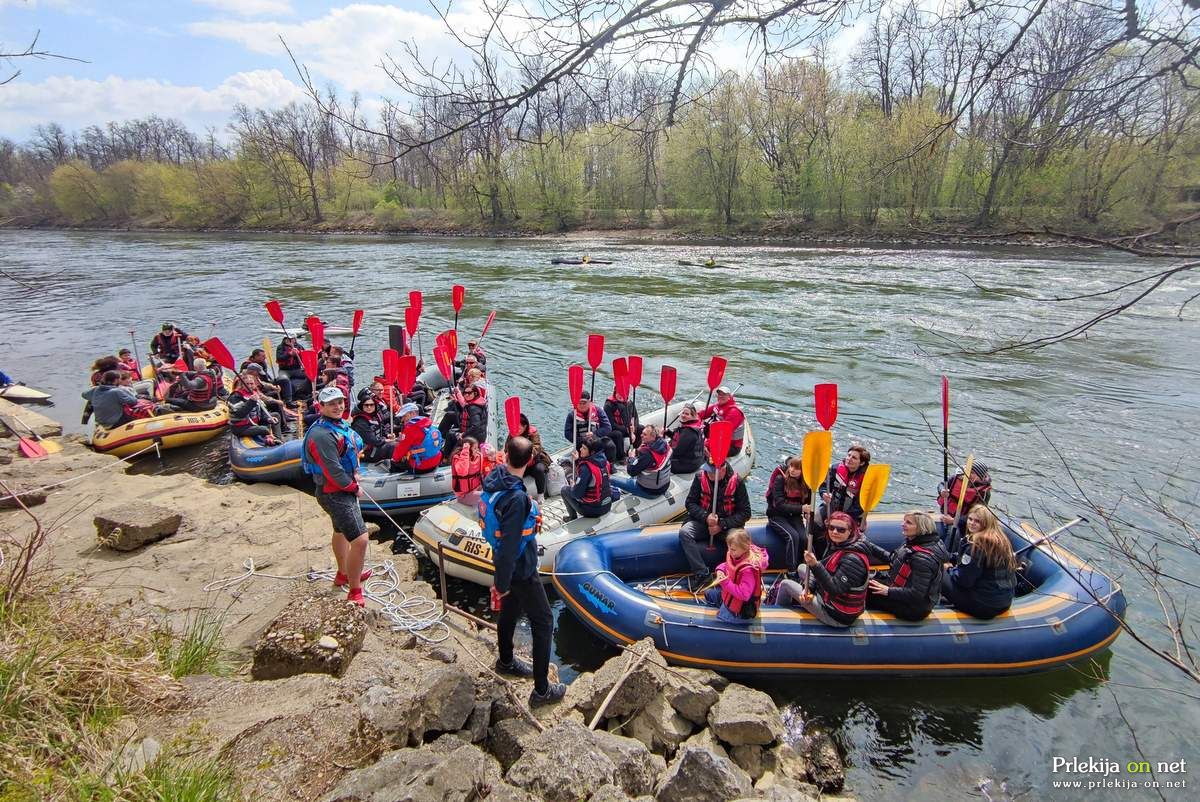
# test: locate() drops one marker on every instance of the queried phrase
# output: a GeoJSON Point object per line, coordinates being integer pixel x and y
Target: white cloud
{"type": "Point", "coordinates": [348, 44]}
{"type": "Point", "coordinates": [75, 102]}
{"type": "Point", "coordinates": [249, 8]}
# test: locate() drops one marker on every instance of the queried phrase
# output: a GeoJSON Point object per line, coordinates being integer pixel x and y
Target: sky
{"type": "Point", "coordinates": [195, 59]}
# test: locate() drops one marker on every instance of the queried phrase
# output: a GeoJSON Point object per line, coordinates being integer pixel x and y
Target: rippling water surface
{"type": "Point", "coordinates": [1121, 405]}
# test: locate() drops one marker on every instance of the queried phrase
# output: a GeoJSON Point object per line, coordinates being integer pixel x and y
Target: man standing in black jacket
{"type": "Point", "coordinates": [510, 520]}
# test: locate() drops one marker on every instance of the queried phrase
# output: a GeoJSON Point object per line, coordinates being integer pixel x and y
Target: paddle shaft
{"type": "Point", "coordinates": [1046, 538]}
{"type": "Point", "coordinates": [133, 342]}
{"type": "Point", "coordinates": [962, 494]}
{"type": "Point", "coordinates": [29, 448]}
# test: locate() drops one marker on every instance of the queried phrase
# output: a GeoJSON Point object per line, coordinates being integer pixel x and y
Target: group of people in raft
{"type": "Point", "coordinates": [963, 556]}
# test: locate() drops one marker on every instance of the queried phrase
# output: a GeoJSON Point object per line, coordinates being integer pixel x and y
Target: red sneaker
{"type": "Point", "coordinates": [340, 581]}
{"type": "Point", "coordinates": [355, 597]}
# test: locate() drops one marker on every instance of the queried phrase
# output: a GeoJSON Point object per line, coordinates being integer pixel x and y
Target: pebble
{"type": "Point", "coordinates": [327, 642]}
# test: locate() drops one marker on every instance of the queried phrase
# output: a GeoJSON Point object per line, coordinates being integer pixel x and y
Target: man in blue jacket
{"type": "Point", "coordinates": [330, 456]}
{"type": "Point", "coordinates": [509, 520]}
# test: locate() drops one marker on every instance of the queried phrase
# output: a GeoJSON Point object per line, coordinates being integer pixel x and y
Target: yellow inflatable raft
{"type": "Point", "coordinates": [174, 430]}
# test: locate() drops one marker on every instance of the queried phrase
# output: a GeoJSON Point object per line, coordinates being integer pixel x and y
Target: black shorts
{"type": "Point", "coordinates": [343, 511]}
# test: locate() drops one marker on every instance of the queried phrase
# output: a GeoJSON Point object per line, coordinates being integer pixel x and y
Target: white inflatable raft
{"type": "Point", "coordinates": [468, 556]}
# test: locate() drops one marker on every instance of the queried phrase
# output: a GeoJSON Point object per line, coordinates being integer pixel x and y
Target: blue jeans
{"type": "Point", "coordinates": [630, 485]}
{"type": "Point", "coordinates": [712, 597]}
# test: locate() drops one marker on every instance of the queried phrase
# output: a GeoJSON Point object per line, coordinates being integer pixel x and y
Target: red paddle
{"type": "Point", "coordinates": [632, 379]}
{"type": "Point", "coordinates": [219, 352]}
{"type": "Point", "coordinates": [487, 325]}
{"type": "Point", "coordinates": [826, 404]}
{"type": "Point", "coordinates": [309, 360]}
{"type": "Point", "coordinates": [316, 332]}
{"type": "Point", "coordinates": [716, 372]}
{"type": "Point", "coordinates": [276, 313]}
{"type": "Point", "coordinates": [451, 343]}
{"type": "Point", "coordinates": [358, 316]}
{"type": "Point", "coordinates": [575, 390]}
{"type": "Point", "coordinates": [720, 438]}
{"type": "Point", "coordinates": [391, 366]}
{"type": "Point", "coordinates": [457, 293]}
{"type": "Point", "coordinates": [415, 301]}
{"type": "Point", "coordinates": [595, 356]}
{"type": "Point", "coordinates": [946, 430]}
{"type": "Point", "coordinates": [412, 318]}
{"type": "Point", "coordinates": [666, 386]}
{"type": "Point", "coordinates": [620, 377]}
{"type": "Point", "coordinates": [406, 373]}
{"type": "Point", "coordinates": [29, 448]}
{"type": "Point", "coordinates": [512, 415]}
{"type": "Point", "coordinates": [444, 363]}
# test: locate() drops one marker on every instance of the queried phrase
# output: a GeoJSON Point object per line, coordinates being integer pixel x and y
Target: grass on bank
{"type": "Point", "coordinates": [69, 672]}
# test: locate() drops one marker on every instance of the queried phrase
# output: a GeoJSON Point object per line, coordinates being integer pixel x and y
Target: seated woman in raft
{"type": "Point", "coordinates": [738, 591]}
{"type": "Point", "coordinates": [984, 578]}
{"type": "Point", "coordinates": [788, 509]}
{"type": "Point", "coordinates": [913, 583]}
{"type": "Point", "coordinates": [839, 581]}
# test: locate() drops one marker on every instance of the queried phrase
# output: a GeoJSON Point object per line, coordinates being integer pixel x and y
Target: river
{"type": "Point", "coordinates": [883, 323]}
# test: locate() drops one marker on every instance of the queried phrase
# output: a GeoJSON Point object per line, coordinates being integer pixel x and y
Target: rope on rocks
{"type": "Point", "coordinates": [416, 615]}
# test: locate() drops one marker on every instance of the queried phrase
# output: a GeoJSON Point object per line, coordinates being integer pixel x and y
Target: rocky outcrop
{"type": "Point", "coordinates": [695, 695]}
{"type": "Point", "coordinates": [131, 526]}
{"type": "Point", "coordinates": [317, 634]}
{"type": "Point", "coordinates": [745, 716]}
{"type": "Point", "coordinates": [637, 769]}
{"type": "Point", "coordinates": [563, 764]}
{"type": "Point", "coordinates": [659, 726]}
{"type": "Point", "coordinates": [699, 775]}
{"type": "Point", "coordinates": [637, 686]}
{"type": "Point", "coordinates": [825, 767]}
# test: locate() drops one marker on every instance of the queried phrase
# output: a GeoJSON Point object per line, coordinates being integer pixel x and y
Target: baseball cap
{"type": "Point", "coordinates": [330, 394]}
{"type": "Point", "coordinates": [724, 388]}
{"type": "Point", "coordinates": [407, 408]}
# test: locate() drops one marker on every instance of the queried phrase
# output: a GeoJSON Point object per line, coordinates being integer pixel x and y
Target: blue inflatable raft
{"type": "Point", "coordinates": [626, 586]}
{"type": "Point", "coordinates": [251, 461]}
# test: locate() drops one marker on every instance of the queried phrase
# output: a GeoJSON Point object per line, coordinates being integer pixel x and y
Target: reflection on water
{"type": "Point", "coordinates": [884, 324]}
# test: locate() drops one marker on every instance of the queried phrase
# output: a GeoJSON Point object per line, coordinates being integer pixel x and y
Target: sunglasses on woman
{"type": "Point", "coordinates": [836, 528]}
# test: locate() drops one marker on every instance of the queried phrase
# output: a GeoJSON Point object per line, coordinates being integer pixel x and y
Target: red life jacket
{"type": "Point", "coordinates": [472, 479]}
{"type": "Point", "coordinates": [204, 395]}
{"type": "Point", "coordinates": [599, 490]}
{"type": "Point", "coordinates": [139, 409]}
{"type": "Point", "coordinates": [752, 604]}
{"type": "Point", "coordinates": [584, 425]}
{"type": "Point", "coordinates": [901, 577]}
{"type": "Point", "coordinates": [853, 601]}
{"type": "Point", "coordinates": [979, 489]}
{"type": "Point", "coordinates": [728, 505]}
{"type": "Point", "coordinates": [480, 400]}
{"type": "Point", "coordinates": [851, 483]}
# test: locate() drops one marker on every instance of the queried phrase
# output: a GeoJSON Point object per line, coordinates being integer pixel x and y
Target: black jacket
{"type": "Point", "coordinates": [779, 504]}
{"type": "Point", "coordinates": [687, 444]}
{"type": "Point", "coordinates": [921, 583]}
{"type": "Point", "coordinates": [741, 503]}
{"type": "Point", "coordinates": [851, 574]}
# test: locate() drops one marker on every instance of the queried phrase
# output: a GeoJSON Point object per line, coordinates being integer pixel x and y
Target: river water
{"type": "Point", "coordinates": [1121, 405]}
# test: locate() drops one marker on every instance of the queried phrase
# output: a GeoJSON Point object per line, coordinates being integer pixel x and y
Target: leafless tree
{"type": "Point", "coordinates": [31, 51]}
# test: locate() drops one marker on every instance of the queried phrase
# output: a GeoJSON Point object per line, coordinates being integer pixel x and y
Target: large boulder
{"type": "Point", "coordinates": [635, 691]}
{"type": "Point", "coordinates": [700, 775]}
{"type": "Point", "coordinates": [825, 767]}
{"type": "Point", "coordinates": [745, 716]}
{"type": "Point", "coordinates": [704, 739]}
{"type": "Point", "coordinates": [659, 726]}
{"type": "Point", "coordinates": [297, 756]}
{"type": "Point", "coordinates": [563, 764]}
{"type": "Point", "coordinates": [451, 771]}
{"type": "Point", "coordinates": [396, 715]}
{"type": "Point", "coordinates": [694, 694]}
{"type": "Point", "coordinates": [750, 758]}
{"type": "Point", "coordinates": [448, 698]}
{"type": "Point", "coordinates": [317, 634]}
{"type": "Point", "coordinates": [508, 738]}
{"type": "Point", "coordinates": [476, 728]}
{"type": "Point", "coordinates": [637, 768]}
{"type": "Point", "coordinates": [131, 526]}
{"type": "Point", "coordinates": [609, 793]}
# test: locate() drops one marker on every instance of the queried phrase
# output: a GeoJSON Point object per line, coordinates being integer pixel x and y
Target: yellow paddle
{"type": "Point", "coordinates": [874, 482]}
{"type": "Point", "coordinates": [270, 355]}
{"type": "Point", "coordinates": [962, 491]}
{"type": "Point", "coordinates": [818, 451]}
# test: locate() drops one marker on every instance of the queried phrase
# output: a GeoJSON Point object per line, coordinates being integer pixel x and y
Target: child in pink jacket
{"type": "Point", "coordinates": [739, 580]}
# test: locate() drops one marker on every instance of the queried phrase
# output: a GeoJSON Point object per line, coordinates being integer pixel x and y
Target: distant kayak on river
{"type": "Point", "coordinates": [583, 261]}
{"type": "Point", "coordinates": [710, 265]}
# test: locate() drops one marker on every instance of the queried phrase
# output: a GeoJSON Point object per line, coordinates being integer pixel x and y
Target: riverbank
{"type": "Point", "coordinates": [301, 696]}
{"type": "Point", "coordinates": [895, 236]}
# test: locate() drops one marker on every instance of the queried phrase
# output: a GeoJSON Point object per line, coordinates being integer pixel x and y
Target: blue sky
{"type": "Point", "coordinates": [194, 59]}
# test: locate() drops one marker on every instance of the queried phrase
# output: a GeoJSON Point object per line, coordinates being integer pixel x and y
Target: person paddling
{"type": "Point", "coordinates": [330, 456]}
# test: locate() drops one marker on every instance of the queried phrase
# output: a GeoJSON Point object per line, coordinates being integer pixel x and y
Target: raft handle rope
{"type": "Point", "coordinates": [153, 445]}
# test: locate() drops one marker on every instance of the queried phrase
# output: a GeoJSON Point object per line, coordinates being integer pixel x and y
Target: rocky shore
{"type": "Point", "coordinates": [331, 704]}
